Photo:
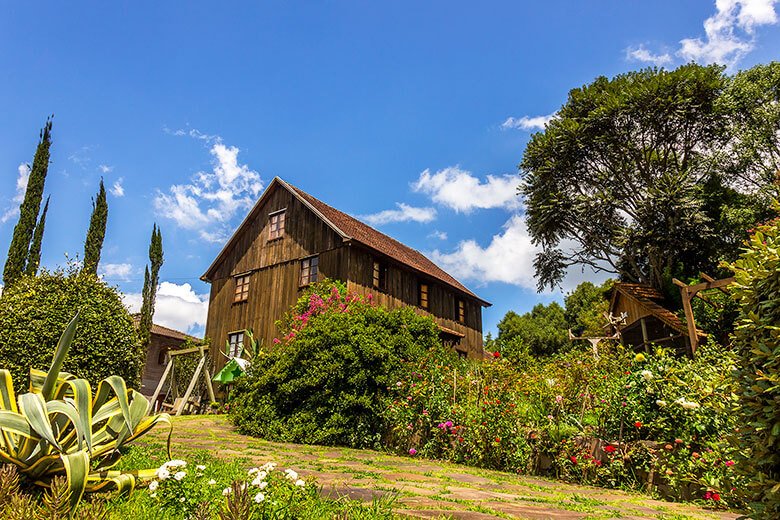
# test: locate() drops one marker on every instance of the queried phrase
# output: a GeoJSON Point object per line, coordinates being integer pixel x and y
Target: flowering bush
{"type": "Point", "coordinates": [324, 379]}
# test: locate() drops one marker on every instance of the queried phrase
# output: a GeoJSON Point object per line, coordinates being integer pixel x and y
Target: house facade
{"type": "Point", "coordinates": [290, 239]}
{"type": "Point", "coordinates": [161, 340]}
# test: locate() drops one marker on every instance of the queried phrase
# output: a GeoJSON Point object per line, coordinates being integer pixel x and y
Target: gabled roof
{"type": "Point", "coordinates": [351, 229]}
{"type": "Point", "coordinates": [164, 331]}
{"type": "Point", "coordinates": [648, 297]}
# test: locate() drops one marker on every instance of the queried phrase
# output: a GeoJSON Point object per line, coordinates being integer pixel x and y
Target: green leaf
{"type": "Point", "coordinates": [63, 345]}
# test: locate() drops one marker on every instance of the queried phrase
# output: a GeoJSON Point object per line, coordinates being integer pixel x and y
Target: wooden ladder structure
{"type": "Point", "coordinates": [689, 292]}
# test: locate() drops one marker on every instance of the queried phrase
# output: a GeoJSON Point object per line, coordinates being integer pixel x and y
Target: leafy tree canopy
{"type": "Point", "coordinates": [540, 332]}
{"type": "Point", "coordinates": [631, 176]}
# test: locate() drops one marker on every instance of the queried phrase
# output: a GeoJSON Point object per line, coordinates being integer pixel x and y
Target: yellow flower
{"type": "Point", "coordinates": [639, 358]}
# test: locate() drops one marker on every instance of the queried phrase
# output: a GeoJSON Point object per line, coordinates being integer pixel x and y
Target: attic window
{"type": "Point", "coordinates": [276, 225]}
{"type": "Point", "coordinates": [461, 310]}
{"type": "Point", "coordinates": [380, 275]}
{"type": "Point", "coordinates": [423, 296]}
{"type": "Point", "coordinates": [242, 289]}
{"type": "Point", "coordinates": [309, 270]}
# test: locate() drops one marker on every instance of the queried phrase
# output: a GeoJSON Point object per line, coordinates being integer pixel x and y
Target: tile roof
{"type": "Point", "coordinates": [645, 295]}
{"type": "Point", "coordinates": [368, 236]}
{"type": "Point", "coordinates": [164, 331]}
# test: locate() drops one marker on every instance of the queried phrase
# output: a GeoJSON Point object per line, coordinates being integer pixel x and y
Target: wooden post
{"type": "Point", "coordinates": [644, 334]}
{"type": "Point", "coordinates": [191, 386]}
{"type": "Point", "coordinates": [157, 390]}
{"type": "Point", "coordinates": [692, 334]}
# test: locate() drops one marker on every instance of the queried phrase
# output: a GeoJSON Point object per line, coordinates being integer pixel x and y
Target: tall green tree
{"type": "Point", "coordinates": [28, 211]}
{"type": "Point", "coordinates": [151, 280]}
{"type": "Point", "coordinates": [34, 256]}
{"type": "Point", "coordinates": [542, 331]}
{"type": "Point", "coordinates": [628, 178]}
{"type": "Point", "coordinates": [96, 233]}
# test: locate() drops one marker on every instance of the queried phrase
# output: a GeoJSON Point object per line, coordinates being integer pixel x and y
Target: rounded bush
{"type": "Point", "coordinates": [35, 311]}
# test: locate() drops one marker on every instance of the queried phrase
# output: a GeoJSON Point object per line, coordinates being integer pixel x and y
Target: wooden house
{"type": "Point", "coordinates": [290, 239]}
{"type": "Point", "coordinates": [161, 340]}
{"type": "Point", "coordinates": [647, 320]}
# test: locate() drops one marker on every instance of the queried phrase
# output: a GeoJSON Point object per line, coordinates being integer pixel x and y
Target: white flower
{"type": "Point", "coordinates": [253, 471]}
{"type": "Point", "coordinates": [259, 478]}
{"type": "Point", "coordinates": [212, 482]}
{"type": "Point", "coordinates": [661, 403]}
{"type": "Point", "coordinates": [291, 474]}
{"type": "Point", "coordinates": [200, 467]}
{"type": "Point", "coordinates": [226, 491]}
{"type": "Point", "coordinates": [268, 466]}
{"type": "Point", "coordinates": [300, 483]}
{"type": "Point", "coordinates": [262, 485]}
{"type": "Point", "coordinates": [259, 497]}
{"type": "Point", "coordinates": [176, 463]}
{"type": "Point", "coordinates": [153, 485]}
{"type": "Point", "coordinates": [152, 495]}
{"type": "Point", "coordinates": [646, 375]}
{"type": "Point", "coordinates": [179, 475]}
{"type": "Point", "coordinates": [688, 405]}
{"type": "Point", "coordinates": [181, 499]}
{"type": "Point", "coordinates": [162, 473]}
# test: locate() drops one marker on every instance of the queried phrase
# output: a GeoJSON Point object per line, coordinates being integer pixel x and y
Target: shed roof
{"type": "Point", "coordinates": [351, 229]}
{"type": "Point", "coordinates": [648, 297]}
{"type": "Point", "coordinates": [164, 331]}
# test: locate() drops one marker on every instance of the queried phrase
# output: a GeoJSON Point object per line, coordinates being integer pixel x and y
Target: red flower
{"type": "Point", "coordinates": [609, 448]}
{"type": "Point", "coordinates": [496, 354]}
{"type": "Point", "coordinates": [638, 424]}
{"type": "Point", "coordinates": [716, 496]}
{"type": "Point", "coordinates": [573, 459]}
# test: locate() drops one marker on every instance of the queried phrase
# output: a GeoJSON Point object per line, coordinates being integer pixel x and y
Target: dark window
{"type": "Point", "coordinates": [460, 311]}
{"type": "Point", "coordinates": [242, 289]}
{"type": "Point", "coordinates": [276, 225]}
{"type": "Point", "coordinates": [235, 343]}
{"type": "Point", "coordinates": [423, 296]}
{"type": "Point", "coordinates": [161, 356]}
{"type": "Point", "coordinates": [380, 275]}
{"type": "Point", "coordinates": [309, 270]}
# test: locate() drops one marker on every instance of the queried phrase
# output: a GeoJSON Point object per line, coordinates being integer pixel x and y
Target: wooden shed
{"type": "Point", "coordinates": [161, 340]}
{"type": "Point", "coordinates": [647, 321]}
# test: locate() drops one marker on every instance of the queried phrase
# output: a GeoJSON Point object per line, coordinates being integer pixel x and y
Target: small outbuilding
{"type": "Point", "coordinates": [646, 320]}
{"type": "Point", "coordinates": [161, 340]}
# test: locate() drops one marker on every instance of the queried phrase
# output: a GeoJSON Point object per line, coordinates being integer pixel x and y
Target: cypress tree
{"type": "Point", "coordinates": [34, 256]}
{"type": "Point", "coordinates": [19, 250]}
{"type": "Point", "coordinates": [151, 279]}
{"type": "Point", "coordinates": [97, 231]}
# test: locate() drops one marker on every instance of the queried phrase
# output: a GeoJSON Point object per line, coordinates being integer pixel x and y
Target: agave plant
{"type": "Point", "coordinates": [60, 427]}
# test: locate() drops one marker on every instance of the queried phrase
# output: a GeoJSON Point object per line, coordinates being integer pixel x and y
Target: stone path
{"type": "Point", "coordinates": [424, 488]}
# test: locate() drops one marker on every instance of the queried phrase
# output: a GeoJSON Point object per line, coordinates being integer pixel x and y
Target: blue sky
{"type": "Point", "coordinates": [410, 115]}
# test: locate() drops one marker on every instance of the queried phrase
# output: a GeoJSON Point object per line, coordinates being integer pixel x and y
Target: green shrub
{"type": "Point", "coordinates": [757, 343]}
{"type": "Point", "coordinates": [324, 380]}
{"type": "Point", "coordinates": [35, 311]}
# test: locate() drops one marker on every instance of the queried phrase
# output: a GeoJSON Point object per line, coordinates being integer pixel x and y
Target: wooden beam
{"type": "Point", "coordinates": [709, 278]}
{"type": "Point", "coordinates": [160, 384]}
{"type": "Point", "coordinates": [184, 351]}
{"type": "Point", "coordinates": [687, 295]}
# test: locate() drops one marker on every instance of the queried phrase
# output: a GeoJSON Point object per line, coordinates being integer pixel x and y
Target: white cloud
{"type": "Point", "coordinates": [104, 168]}
{"type": "Point", "coordinates": [21, 188]}
{"type": "Point", "coordinates": [527, 123]}
{"type": "Point", "coordinates": [194, 133]}
{"type": "Point", "coordinates": [117, 272]}
{"type": "Point", "coordinates": [404, 213]}
{"type": "Point", "coordinates": [644, 55]}
{"type": "Point", "coordinates": [176, 306]}
{"type": "Point", "coordinates": [212, 199]}
{"type": "Point", "coordinates": [460, 190]}
{"type": "Point", "coordinates": [441, 235]}
{"type": "Point", "coordinates": [509, 258]}
{"type": "Point", "coordinates": [117, 190]}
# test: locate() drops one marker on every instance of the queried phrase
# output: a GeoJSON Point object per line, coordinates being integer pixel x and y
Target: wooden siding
{"type": "Point", "coordinates": [274, 267]}
{"type": "Point", "coordinates": [153, 370]}
{"type": "Point", "coordinates": [402, 289]}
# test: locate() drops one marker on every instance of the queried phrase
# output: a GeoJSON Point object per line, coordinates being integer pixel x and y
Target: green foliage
{"type": "Point", "coordinates": [542, 331]}
{"type": "Point", "coordinates": [324, 380]}
{"type": "Point", "coordinates": [34, 258]}
{"type": "Point", "coordinates": [586, 306]}
{"type": "Point", "coordinates": [35, 309]}
{"type": "Point", "coordinates": [635, 171]}
{"type": "Point", "coordinates": [151, 279]}
{"type": "Point", "coordinates": [28, 211]}
{"type": "Point", "coordinates": [757, 343]}
{"type": "Point", "coordinates": [96, 233]}
{"type": "Point", "coordinates": [61, 430]}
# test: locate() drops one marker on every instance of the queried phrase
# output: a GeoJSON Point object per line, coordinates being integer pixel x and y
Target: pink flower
{"type": "Point", "coordinates": [412, 452]}
{"type": "Point", "coordinates": [729, 463]}
{"type": "Point", "coordinates": [277, 341]}
{"type": "Point", "coordinates": [559, 399]}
